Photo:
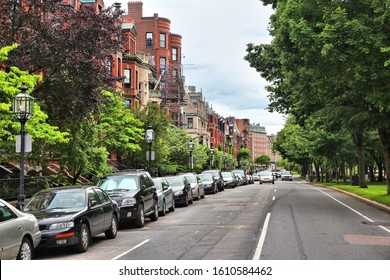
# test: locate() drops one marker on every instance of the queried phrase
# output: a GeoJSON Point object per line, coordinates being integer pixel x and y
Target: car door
{"type": "Point", "coordinates": [168, 192]}
{"type": "Point", "coordinates": [107, 207]}
{"type": "Point", "coordinates": [95, 213]}
{"type": "Point", "coordinates": [148, 191]}
{"type": "Point", "coordinates": [11, 232]}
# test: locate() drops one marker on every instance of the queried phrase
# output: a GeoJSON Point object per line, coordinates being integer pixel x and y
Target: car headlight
{"type": "Point", "coordinates": [179, 193]}
{"type": "Point", "coordinates": [128, 201]}
{"type": "Point", "coordinates": [61, 225]}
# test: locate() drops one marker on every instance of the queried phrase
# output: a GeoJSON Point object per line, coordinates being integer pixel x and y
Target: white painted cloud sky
{"type": "Point", "coordinates": [215, 34]}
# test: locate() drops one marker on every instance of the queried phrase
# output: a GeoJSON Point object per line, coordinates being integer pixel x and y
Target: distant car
{"type": "Point", "coordinates": [286, 176]}
{"type": "Point", "coordinates": [209, 183]}
{"type": "Point", "coordinates": [242, 173]}
{"type": "Point", "coordinates": [196, 185]}
{"type": "Point", "coordinates": [218, 176]}
{"type": "Point", "coordinates": [19, 233]}
{"type": "Point", "coordinates": [135, 193]}
{"type": "Point", "coordinates": [266, 177]}
{"type": "Point", "coordinates": [165, 197]}
{"type": "Point", "coordinates": [71, 216]}
{"type": "Point", "coordinates": [181, 189]}
{"type": "Point", "coordinates": [256, 177]}
{"type": "Point", "coordinates": [229, 180]}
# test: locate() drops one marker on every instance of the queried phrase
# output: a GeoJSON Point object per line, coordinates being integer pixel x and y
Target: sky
{"type": "Point", "coordinates": [214, 38]}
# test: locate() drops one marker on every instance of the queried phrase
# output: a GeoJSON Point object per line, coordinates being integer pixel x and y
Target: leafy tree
{"type": "Point", "coordinates": [45, 137]}
{"type": "Point", "coordinates": [70, 48]}
{"type": "Point", "coordinates": [263, 160]}
{"type": "Point", "coordinates": [330, 58]}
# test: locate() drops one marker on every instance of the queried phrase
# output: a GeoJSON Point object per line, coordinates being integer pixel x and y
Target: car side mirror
{"type": "Point", "coordinates": [143, 187]}
{"type": "Point", "coordinates": [93, 203]}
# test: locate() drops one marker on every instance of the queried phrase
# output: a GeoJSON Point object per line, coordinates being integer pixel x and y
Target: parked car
{"type": "Point", "coordinates": [181, 189]}
{"type": "Point", "coordinates": [256, 177]}
{"type": "Point", "coordinates": [218, 176]}
{"type": "Point", "coordinates": [135, 193]}
{"type": "Point", "coordinates": [209, 183]}
{"type": "Point", "coordinates": [196, 185]}
{"type": "Point", "coordinates": [266, 177]}
{"type": "Point", "coordinates": [71, 216]}
{"type": "Point", "coordinates": [165, 197]}
{"type": "Point", "coordinates": [242, 173]}
{"type": "Point", "coordinates": [286, 176]}
{"type": "Point", "coordinates": [19, 233]}
{"type": "Point", "coordinates": [229, 180]}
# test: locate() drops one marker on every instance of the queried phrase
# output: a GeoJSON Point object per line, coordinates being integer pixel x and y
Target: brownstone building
{"type": "Point", "coordinates": [164, 50]}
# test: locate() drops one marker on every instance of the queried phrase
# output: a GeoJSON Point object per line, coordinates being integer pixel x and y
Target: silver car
{"type": "Point", "coordinates": [165, 197]}
{"type": "Point", "coordinates": [196, 185]}
{"type": "Point", "coordinates": [19, 233]}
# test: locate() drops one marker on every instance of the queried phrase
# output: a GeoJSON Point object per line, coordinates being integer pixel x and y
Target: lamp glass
{"type": "Point", "coordinates": [23, 106]}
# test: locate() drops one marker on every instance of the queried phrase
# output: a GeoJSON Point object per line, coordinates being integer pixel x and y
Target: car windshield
{"type": "Point", "coordinates": [206, 177]}
{"type": "Point", "coordinates": [191, 178]}
{"type": "Point", "coordinates": [286, 173]}
{"type": "Point", "coordinates": [226, 175]}
{"type": "Point", "coordinates": [57, 200]}
{"type": "Point", "coordinates": [265, 173]}
{"type": "Point", "coordinates": [157, 184]}
{"type": "Point", "coordinates": [119, 183]}
{"type": "Point", "coordinates": [175, 181]}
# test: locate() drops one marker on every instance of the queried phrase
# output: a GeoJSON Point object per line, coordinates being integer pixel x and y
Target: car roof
{"type": "Point", "coordinates": [127, 172]}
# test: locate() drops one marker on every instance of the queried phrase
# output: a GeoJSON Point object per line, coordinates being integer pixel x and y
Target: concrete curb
{"type": "Point", "coordinates": [366, 200]}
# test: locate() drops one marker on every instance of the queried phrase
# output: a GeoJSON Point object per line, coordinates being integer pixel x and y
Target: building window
{"type": "Point", "coordinates": [174, 54]}
{"type": "Point", "coordinates": [163, 65]}
{"type": "Point", "coordinates": [109, 65]}
{"type": "Point", "coordinates": [174, 73]}
{"type": "Point", "coordinates": [162, 40]}
{"type": "Point", "coordinates": [149, 39]}
{"type": "Point", "coordinates": [127, 81]}
{"type": "Point", "coordinates": [190, 122]}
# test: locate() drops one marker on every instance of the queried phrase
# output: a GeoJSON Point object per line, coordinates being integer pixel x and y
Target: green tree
{"type": "Point", "coordinates": [263, 160]}
{"type": "Point", "coordinates": [45, 137]}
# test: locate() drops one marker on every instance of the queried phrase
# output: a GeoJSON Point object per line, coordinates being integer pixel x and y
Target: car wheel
{"type": "Point", "coordinates": [84, 239]}
{"type": "Point", "coordinates": [172, 208]}
{"type": "Point", "coordinates": [140, 221]}
{"type": "Point", "coordinates": [154, 216]}
{"type": "Point", "coordinates": [26, 250]}
{"type": "Point", "coordinates": [163, 212]}
{"type": "Point", "coordinates": [113, 230]}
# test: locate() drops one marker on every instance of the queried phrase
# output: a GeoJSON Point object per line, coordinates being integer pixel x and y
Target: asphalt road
{"type": "Point", "coordinates": [287, 220]}
{"type": "Point", "coordinates": [308, 222]}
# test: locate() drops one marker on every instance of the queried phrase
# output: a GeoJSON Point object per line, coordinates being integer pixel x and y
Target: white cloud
{"type": "Point", "coordinates": [214, 36]}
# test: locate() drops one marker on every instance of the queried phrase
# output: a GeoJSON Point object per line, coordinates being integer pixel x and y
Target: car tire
{"type": "Point", "coordinates": [84, 239]}
{"type": "Point", "coordinates": [154, 216]}
{"type": "Point", "coordinates": [113, 230]}
{"type": "Point", "coordinates": [25, 250]}
{"type": "Point", "coordinates": [172, 208]}
{"type": "Point", "coordinates": [163, 212]}
{"type": "Point", "coordinates": [140, 221]}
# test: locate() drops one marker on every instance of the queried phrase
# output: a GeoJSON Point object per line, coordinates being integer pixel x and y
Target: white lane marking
{"type": "Point", "coordinates": [259, 247]}
{"type": "Point", "coordinates": [345, 205]}
{"type": "Point", "coordinates": [128, 251]}
{"type": "Point", "coordinates": [273, 198]}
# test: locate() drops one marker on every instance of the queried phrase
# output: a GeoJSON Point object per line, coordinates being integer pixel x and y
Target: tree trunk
{"type": "Point", "coordinates": [384, 135]}
{"type": "Point", "coordinates": [358, 140]}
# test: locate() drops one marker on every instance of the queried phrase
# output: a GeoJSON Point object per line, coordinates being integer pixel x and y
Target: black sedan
{"type": "Point", "coordinates": [71, 216]}
{"type": "Point", "coordinates": [209, 183]}
{"type": "Point", "coordinates": [181, 189]}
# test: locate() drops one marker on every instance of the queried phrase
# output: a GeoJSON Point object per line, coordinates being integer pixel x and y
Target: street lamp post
{"type": "Point", "coordinates": [211, 157]}
{"type": "Point", "coordinates": [224, 162]}
{"type": "Point", "coordinates": [149, 136]}
{"type": "Point", "coordinates": [191, 149]}
{"type": "Point", "coordinates": [23, 109]}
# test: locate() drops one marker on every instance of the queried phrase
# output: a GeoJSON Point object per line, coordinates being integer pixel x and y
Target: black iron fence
{"type": "Point", "coordinates": [9, 188]}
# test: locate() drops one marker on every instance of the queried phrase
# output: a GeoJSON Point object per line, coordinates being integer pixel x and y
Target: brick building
{"type": "Point", "coordinates": [164, 50]}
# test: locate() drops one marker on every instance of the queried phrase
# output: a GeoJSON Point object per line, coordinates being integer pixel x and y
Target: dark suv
{"type": "Point", "coordinates": [218, 177]}
{"type": "Point", "coordinates": [135, 193]}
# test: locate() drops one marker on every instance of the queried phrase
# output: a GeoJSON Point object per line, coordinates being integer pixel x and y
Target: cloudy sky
{"type": "Point", "coordinates": [214, 37]}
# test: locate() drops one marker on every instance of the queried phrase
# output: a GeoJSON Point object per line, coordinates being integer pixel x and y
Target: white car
{"type": "Point", "coordinates": [19, 233]}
